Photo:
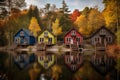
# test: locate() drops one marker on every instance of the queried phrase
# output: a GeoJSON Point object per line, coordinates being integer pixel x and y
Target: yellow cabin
{"type": "Point", "coordinates": [47, 38]}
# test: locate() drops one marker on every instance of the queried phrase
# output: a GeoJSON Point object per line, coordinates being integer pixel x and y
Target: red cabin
{"type": "Point", "coordinates": [73, 37]}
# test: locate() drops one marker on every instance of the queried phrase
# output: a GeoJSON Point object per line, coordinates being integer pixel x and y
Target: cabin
{"type": "Point", "coordinates": [46, 60]}
{"type": "Point", "coordinates": [102, 36]}
{"type": "Point", "coordinates": [73, 61]}
{"type": "Point", "coordinates": [22, 60]}
{"type": "Point", "coordinates": [24, 37]}
{"type": "Point", "coordinates": [73, 37]}
{"type": "Point", "coordinates": [47, 38]}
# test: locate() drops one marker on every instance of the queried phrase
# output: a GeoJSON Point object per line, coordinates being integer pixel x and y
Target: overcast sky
{"type": "Point", "coordinates": [72, 4]}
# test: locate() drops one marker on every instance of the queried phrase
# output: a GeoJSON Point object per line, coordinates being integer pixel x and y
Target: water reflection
{"type": "Point", "coordinates": [23, 59]}
{"type": "Point", "coordinates": [15, 65]}
{"type": "Point", "coordinates": [73, 60]}
{"type": "Point", "coordinates": [102, 63]}
{"type": "Point", "coordinates": [45, 59]}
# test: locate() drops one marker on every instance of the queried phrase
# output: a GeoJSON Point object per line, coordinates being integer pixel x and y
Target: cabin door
{"type": "Point", "coordinates": [71, 42]}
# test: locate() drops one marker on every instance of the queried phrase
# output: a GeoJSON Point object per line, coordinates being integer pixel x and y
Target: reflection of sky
{"type": "Point", "coordinates": [72, 4]}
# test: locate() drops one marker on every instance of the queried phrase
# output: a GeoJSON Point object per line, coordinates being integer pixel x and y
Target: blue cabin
{"type": "Point", "coordinates": [24, 37]}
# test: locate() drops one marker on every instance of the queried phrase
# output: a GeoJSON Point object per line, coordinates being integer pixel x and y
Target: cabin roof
{"type": "Point", "coordinates": [73, 28]}
{"type": "Point", "coordinates": [48, 31]}
{"type": "Point", "coordinates": [103, 27]}
{"type": "Point", "coordinates": [25, 30]}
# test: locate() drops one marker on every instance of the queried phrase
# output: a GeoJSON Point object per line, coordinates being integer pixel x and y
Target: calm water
{"type": "Point", "coordinates": [56, 65]}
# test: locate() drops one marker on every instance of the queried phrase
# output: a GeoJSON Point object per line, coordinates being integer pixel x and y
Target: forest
{"type": "Point", "coordinates": [57, 20]}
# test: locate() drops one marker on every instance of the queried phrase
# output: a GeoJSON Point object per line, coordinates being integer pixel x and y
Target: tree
{"type": "Point", "coordinates": [34, 12]}
{"type": "Point", "coordinates": [7, 5]}
{"type": "Point", "coordinates": [96, 20]}
{"type": "Point", "coordinates": [34, 26]}
{"type": "Point", "coordinates": [75, 14]}
{"type": "Point", "coordinates": [118, 36]}
{"type": "Point", "coordinates": [86, 12]}
{"type": "Point", "coordinates": [64, 8]}
{"type": "Point", "coordinates": [82, 24]}
{"type": "Point", "coordinates": [56, 29]}
{"type": "Point", "coordinates": [111, 13]}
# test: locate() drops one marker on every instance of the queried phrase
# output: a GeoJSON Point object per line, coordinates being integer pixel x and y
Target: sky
{"type": "Point", "coordinates": [72, 4]}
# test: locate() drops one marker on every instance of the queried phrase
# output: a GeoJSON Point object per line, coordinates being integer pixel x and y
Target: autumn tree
{"type": "Point", "coordinates": [86, 11]}
{"type": "Point", "coordinates": [34, 26]}
{"type": "Point", "coordinates": [96, 20]}
{"type": "Point", "coordinates": [56, 28]}
{"type": "Point", "coordinates": [75, 14]}
{"type": "Point", "coordinates": [118, 37]}
{"type": "Point", "coordinates": [112, 13]}
{"type": "Point", "coordinates": [82, 24]}
{"type": "Point", "coordinates": [90, 21]}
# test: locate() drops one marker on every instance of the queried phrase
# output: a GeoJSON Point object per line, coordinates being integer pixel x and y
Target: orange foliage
{"type": "Point", "coordinates": [113, 50]}
{"type": "Point", "coordinates": [74, 15]}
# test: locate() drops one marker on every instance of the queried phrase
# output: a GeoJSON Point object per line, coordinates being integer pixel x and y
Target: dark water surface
{"type": "Point", "coordinates": [22, 66]}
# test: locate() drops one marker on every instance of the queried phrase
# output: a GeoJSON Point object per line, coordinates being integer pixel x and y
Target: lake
{"type": "Point", "coordinates": [44, 65]}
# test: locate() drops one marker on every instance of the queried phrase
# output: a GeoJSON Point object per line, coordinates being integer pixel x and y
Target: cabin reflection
{"type": "Point", "coordinates": [102, 63]}
{"type": "Point", "coordinates": [73, 60]}
{"type": "Point", "coordinates": [23, 59]}
{"type": "Point", "coordinates": [45, 59]}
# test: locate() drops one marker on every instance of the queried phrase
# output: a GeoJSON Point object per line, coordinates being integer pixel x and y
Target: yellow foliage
{"type": "Point", "coordinates": [34, 26]}
{"type": "Point", "coordinates": [56, 71]}
{"type": "Point", "coordinates": [34, 72]}
{"type": "Point", "coordinates": [82, 24]}
{"type": "Point", "coordinates": [56, 29]}
{"type": "Point", "coordinates": [110, 14]}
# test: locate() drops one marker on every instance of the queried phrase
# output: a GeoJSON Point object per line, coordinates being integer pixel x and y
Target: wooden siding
{"type": "Point", "coordinates": [73, 37]}
{"type": "Point", "coordinates": [47, 38]}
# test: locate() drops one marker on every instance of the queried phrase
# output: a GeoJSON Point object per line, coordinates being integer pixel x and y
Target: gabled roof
{"type": "Point", "coordinates": [103, 27]}
{"type": "Point", "coordinates": [73, 28]}
{"type": "Point", "coordinates": [48, 31]}
{"type": "Point", "coordinates": [25, 30]}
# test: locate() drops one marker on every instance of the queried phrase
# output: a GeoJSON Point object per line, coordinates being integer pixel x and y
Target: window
{"type": "Point", "coordinates": [78, 58]}
{"type": "Point", "coordinates": [17, 40]}
{"type": "Point", "coordinates": [109, 39]}
{"type": "Point", "coordinates": [102, 32]}
{"type": "Point", "coordinates": [41, 58]}
{"type": "Point", "coordinates": [73, 67]}
{"type": "Point", "coordinates": [45, 34]}
{"type": "Point", "coordinates": [49, 58]}
{"type": "Point", "coordinates": [73, 33]}
{"type": "Point", "coordinates": [50, 40]}
{"type": "Point", "coordinates": [22, 33]}
{"type": "Point", "coordinates": [96, 39]}
{"type": "Point", "coordinates": [41, 39]}
{"type": "Point", "coordinates": [46, 65]}
{"type": "Point", "coordinates": [67, 39]}
{"type": "Point", "coordinates": [78, 39]}
{"type": "Point", "coordinates": [26, 41]}
{"type": "Point", "coordinates": [68, 60]}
